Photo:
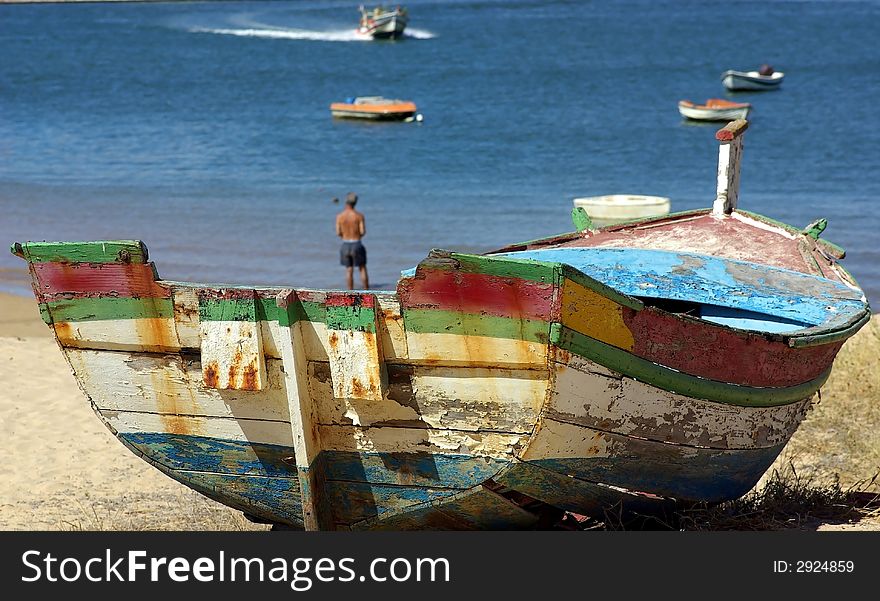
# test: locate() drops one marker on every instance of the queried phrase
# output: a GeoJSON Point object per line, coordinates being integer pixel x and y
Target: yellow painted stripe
{"type": "Point", "coordinates": [594, 315]}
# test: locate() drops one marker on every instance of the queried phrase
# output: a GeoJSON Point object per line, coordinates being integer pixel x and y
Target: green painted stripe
{"type": "Point", "coordinates": [268, 310]}
{"type": "Point", "coordinates": [44, 313]}
{"type": "Point", "coordinates": [829, 337]}
{"type": "Point", "coordinates": [675, 381]}
{"type": "Point", "coordinates": [227, 309]}
{"type": "Point", "coordinates": [430, 321]}
{"type": "Point", "coordinates": [360, 319]}
{"type": "Point", "coordinates": [524, 269]}
{"type": "Point", "coordinates": [105, 251]}
{"type": "Point", "coordinates": [95, 309]}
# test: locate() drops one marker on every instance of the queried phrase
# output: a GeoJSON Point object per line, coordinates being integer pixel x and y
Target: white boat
{"type": "Point", "coordinates": [715, 109]}
{"type": "Point", "coordinates": [615, 208]}
{"type": "Point", "coordinates": [383, 23]}
{"type": "Point", "coordinates": [751, 80]}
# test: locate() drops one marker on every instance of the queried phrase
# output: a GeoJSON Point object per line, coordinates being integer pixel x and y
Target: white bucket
{"type": "Point", "coordinates": [614, 208]}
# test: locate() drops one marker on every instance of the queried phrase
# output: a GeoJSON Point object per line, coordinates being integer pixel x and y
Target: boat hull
{"type": "Point", "coordinates": [372, 115]}
{"type": "Point", "coordinates": [737, 81]}
{"type": "Point", "coordinates": [384, 28]}
{"type": "Point", "coordinates": [481, 394]}
{"type": "Point", "coordinates": [713, 114]}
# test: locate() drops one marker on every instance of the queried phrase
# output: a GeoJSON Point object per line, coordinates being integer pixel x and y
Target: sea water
{"type": "Point", "coordinates": [204, 129]}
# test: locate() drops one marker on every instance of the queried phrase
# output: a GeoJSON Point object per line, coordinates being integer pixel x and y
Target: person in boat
{"type": "Point", "coordinates": [351, 227]}
{"type": "Point", "coordinates": [765, 70]}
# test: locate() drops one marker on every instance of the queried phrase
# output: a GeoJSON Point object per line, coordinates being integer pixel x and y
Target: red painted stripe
{"type": "Point", "coordinates": [98, 279]}
{"type": "Point", "coordinates": [713, 352]}
{"type": "Point", "coordinates": [349, 299]}
{"type": "Point", "coordinates": [477, 293]}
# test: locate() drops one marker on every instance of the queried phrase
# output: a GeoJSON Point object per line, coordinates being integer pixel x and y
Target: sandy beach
{"type": "Point", "coordinates": [68, 472]}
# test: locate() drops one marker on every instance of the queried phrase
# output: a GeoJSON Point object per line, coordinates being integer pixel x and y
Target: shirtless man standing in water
{"type": "Point", "coordinates": [351, 228]}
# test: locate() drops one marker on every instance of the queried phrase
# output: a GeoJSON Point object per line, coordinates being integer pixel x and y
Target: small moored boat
{"type": "Point", "coordinates": [382, 22]}
{"type": "Point", "coordinates": [375, 108]}
{"type": "Point", "coordinates": [615, 208]}
{"type": "Point", "coordinates": [639, 367]}
{"type": "Point", "coordinates": [715, 109]}
{"type": "Point", "coordinates": [751, 80]}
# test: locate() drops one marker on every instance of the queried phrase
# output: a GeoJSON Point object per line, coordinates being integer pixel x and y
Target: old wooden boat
{"type": "Point", "coordinates": [647, 364]}
{"type": "Point", "coordinates": [715, 109]}
{"type": "Point", "coordinates": [751, 80]}
{"type": "Point", "coordinates": [383, 23]}
{"type": "Point", "coordinates": [374, 108]}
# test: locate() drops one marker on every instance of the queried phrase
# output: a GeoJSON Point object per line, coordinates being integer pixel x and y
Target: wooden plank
{"type": "Point", "coordinates": [172, 385]}
{"type": "Point", "coordinates": [236, 430]}
{"type": "Point", "coordinates": [460, 291]}
{"type": "Point", "coordinates": [444, 470]}
{"type": "Point", "coordinates": [307, 439]}
{"type": "Point", "coordinates": [458, 348]}
{"type": "Point", "coordinates": [681, 472]}
{"type": "Point", "coordinates": [457, 398]}
{"type": "Point", "coordinates": [356, 362]}
{"type": "Point", "coordinates": [106, 251]}
{"type": "Point", "coordinates": [729, 161]}
{"type": "Point", "coordinates": [148, 334]}
{"type": "Point", "coordinates": [391, 330]}
{"type": "Point", "coordinates": [575, 494]}
{"type": "Point", "coordinates": [594, 315]}
{"type": "Point", "coordinates": [184, 452]}
{"type": "Point", "coordinates": [715, 352]}
{"type": "Point", "coordinates": [273, 499]}
{"type": "Point", "coordinates": [232, 348]}
{"type": "Point", "coordinates": [353, 502]}
{"type": "Point", "coordinates": [419, 440]}
{"type": "Point", "coordinates": [674, 381]}
{"type": "Point", "coordinates": [587, 394]}
{"type": "Point", "coordinates": [98, 279]}
{"type": "Point", "coordinates": [477, 508]}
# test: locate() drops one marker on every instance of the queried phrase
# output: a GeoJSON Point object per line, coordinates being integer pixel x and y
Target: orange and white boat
{"type": "Point", "coordinates": [373, 107]}
{"type": "Point", "coordinates": [715, 109]}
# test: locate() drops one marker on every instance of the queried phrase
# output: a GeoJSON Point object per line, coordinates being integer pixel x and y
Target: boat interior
{"type": "Point", "coordinates": [737, 294]}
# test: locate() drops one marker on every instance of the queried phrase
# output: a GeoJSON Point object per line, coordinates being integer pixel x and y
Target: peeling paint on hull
{"type": "Point", "coordinates": [482, 390]}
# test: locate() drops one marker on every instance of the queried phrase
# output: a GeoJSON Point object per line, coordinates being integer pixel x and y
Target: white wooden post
{"type": "Point", "coordinates": [729, 161]}
{"type": "Point", "coordinates": [303, 422]}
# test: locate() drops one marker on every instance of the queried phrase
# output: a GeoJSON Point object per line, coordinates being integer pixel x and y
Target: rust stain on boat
{"type": "Point", "coordinates": [175, 399]}
{"type": "Point", "coordinates": [211, 375]}
{"type": "Point", "coordinates": [358, 388]}
{"type": "Point", "coordinates": [156, 333]}
{"type": "Point", "coordinates": [64, 332]}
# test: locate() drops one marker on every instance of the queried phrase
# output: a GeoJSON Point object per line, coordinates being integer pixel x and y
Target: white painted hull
{"type": "Point", "coordinates": [738, 81]}
{"type": "Point", "coordinates": [720, 114]}
{"type": "Point", "coordinates": [622, 207]}
{"type": "Point", "coordinates": [386, 27]}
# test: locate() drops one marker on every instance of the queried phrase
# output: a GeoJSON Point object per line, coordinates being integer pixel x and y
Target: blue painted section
{"type": "Point", "coordinates": [792, 300]}
{"type": "Point", "coordinates": [352, 502]}
{"type": "Point", "coordinates": [415, 469]}
{"type": "Point", "coordinates": [747, 320]}
{"type": "Point", "coordinates": [705, 475]}
{"type": "Point", "coordinates": [273, 499]}
{"type": "Point", "coordinates": [202, 454]}
{"type": "Point", "coordinates": [262, 479]}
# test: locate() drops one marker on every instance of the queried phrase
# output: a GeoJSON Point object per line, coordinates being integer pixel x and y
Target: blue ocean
{"type": "Point", "coordinates": [204, 129]}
